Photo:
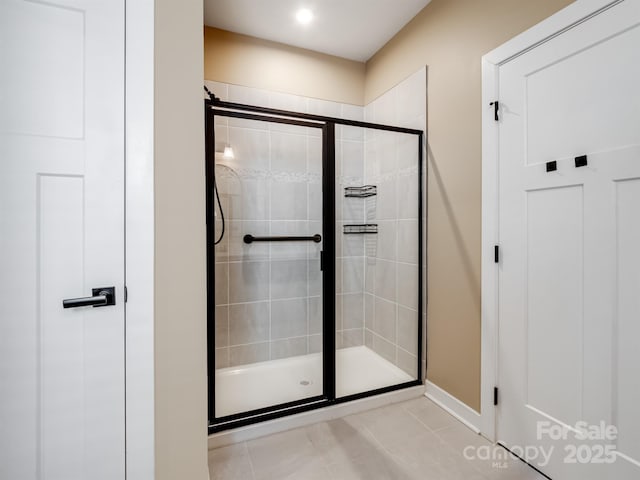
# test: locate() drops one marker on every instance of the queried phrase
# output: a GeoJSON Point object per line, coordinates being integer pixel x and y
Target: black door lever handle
{"type": "Point", "coordinates": [101, 297]}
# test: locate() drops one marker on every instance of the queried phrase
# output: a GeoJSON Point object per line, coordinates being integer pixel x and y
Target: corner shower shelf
{"type": "Point", "coordinates": [361, 192]}
{"type": "Point", "coordinates": [361, 228]}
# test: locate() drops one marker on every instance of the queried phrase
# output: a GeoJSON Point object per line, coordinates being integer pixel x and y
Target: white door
{"type": "Point", "coordinates": [61, 234]}
{"type": "Point", "coordinates": [569, 282]}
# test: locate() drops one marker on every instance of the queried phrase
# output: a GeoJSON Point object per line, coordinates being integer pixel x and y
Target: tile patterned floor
{"type": "Point", "coordinates": [406, 441]}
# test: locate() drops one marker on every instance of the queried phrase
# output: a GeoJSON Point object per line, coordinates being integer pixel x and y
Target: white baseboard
{"type": "Point", "coordinates": [452, 405]}
{"type": "Point", "coordinates": [340, 410]}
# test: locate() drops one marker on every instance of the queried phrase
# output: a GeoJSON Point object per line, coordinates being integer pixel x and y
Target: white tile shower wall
{"type": "Point", "coordinates": [391, 265]}
{"type": "Point", "coordinates": [277, 289]}
{"type": "Point", "coordinates": [268, 303]}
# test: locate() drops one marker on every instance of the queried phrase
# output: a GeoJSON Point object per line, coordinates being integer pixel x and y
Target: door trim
{"type": "Point", "coordinates": [139, 239]}
{"type": "Point", "coordinates": [567, 18]}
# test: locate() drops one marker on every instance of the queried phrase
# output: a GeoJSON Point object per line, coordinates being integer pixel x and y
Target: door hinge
{"type": "Point", "coordinates": [496, 254]}
{"type": "Point", "coordinates": [496, 110]}
{"type": "Point", "coordinates": [126, 294]}
{"type": "Point", "coordinates": [495, 396]}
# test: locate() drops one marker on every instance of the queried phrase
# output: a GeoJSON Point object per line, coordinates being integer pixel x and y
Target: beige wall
{"type": "Point", "coordinates": [450, 36]}
{"type": "Point", "coordinates": [180, 277]}
{"type": "Point", "coordinates": [248, 61]}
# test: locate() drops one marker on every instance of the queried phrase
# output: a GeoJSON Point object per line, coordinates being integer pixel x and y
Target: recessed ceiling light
{"type": "Point", "coordinates": [304, 16]}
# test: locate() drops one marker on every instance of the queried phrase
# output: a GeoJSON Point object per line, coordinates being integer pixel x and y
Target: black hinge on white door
{"type": "Point", "coordinates": [495, 396]}
{"type": "Point", "coordinates": [496, 110]}
{"type": "Point", "coordinates": [496, 254]}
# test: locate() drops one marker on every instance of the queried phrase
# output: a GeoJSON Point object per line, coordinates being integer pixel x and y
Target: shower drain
{"type": "Point", "coordinates": [305, 383]}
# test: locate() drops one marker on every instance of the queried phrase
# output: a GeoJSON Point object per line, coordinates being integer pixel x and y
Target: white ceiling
{"type": "Point", "coordinates": [353, 29]}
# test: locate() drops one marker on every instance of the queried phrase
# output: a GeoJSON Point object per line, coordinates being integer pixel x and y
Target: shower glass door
{"type": "Point", "coordinates": [378, 257]}
{"type": "Point", "coordinates": [267, 218]}
{"type": "Point", "coordinates": [314, 263]}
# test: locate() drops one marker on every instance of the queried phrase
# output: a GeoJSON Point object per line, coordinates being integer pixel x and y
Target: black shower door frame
{"type": "Point", "coordinates": [216, 107]}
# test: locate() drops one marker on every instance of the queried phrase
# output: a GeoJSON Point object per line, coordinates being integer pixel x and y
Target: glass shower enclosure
{"type": "Point", "coordinates": [314, 237]}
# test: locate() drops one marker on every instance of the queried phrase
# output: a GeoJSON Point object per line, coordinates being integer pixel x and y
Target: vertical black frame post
{"type": "Point", "coordinates": [210, 165]}
{"type": "Point", "coordinates": [420, 253]}
{"type": "Point", "coordinates": [328, 260]}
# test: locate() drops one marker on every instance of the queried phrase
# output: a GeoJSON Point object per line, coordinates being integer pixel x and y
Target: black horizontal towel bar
{"type": "Point", "coordinates": [317, 238]}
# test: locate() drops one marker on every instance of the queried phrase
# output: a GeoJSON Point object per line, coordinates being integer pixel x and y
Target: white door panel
{"type": "Point", "coordinates": [559, 88]}
{"type": "Point", "coordinates": [46, 53]}
{"type": "Point", "coordinates": [626, 394]}
{"type": "Point", "coordinates": [569, 282]}
{"type": "Point", "coordinates": [566, 96]}
{"type": "Point", "coordinates": [554, 299]}
{"type": "Point", "coordinates": [61, 234]}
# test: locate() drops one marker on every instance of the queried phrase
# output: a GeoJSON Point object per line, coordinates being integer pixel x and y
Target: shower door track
{"type": "Point", "coordinates": [214, 106]}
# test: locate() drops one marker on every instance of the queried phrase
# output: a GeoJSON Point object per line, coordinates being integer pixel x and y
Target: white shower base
{"type": "Point", "coordinates": [264, 384]}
